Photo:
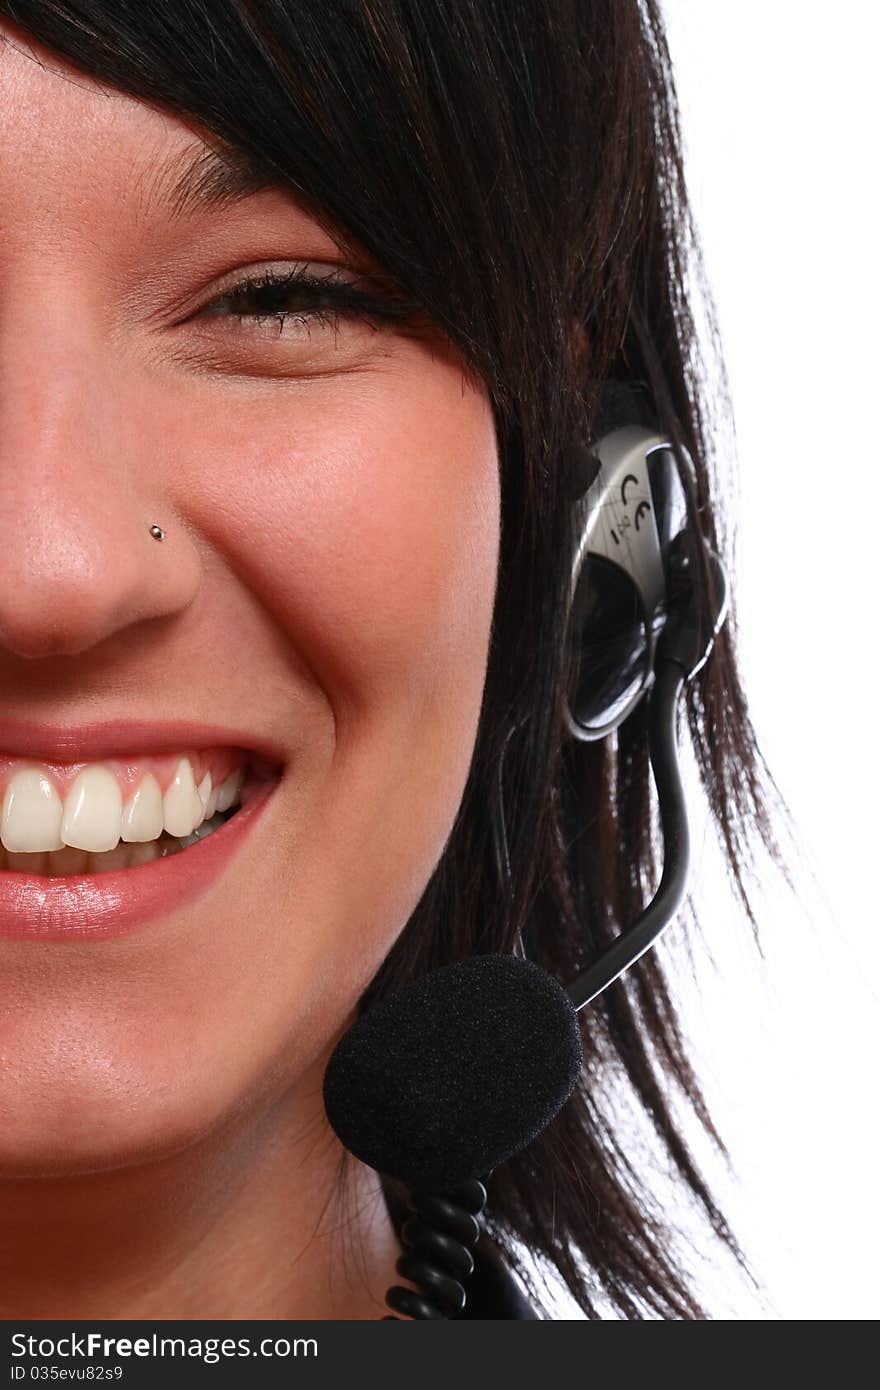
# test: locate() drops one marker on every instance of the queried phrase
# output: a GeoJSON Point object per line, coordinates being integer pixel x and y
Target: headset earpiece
{"type": "Point", "coordinates": [634, 575]}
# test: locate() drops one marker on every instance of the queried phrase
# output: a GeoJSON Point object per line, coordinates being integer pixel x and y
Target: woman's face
{"type": "Point", "coordinates": [326, 584]}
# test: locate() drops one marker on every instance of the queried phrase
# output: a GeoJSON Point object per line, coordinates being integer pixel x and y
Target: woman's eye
{"type": "Point", "coordinates": [298, 297]}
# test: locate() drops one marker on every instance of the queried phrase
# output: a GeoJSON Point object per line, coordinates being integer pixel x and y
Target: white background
{"type": "Point", "coordinates": [778, 106]}
{"type": "Point", "coordinates": [779, 116]}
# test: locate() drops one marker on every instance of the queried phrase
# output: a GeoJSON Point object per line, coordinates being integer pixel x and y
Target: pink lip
{"type": "Point", "coordinates": [89, 907]}
{"type": "Point", "coordinates": [115, 737]}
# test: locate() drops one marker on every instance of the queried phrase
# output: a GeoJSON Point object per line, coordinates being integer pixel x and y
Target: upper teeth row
{"type": "Point", "coordinates": [92, 817]}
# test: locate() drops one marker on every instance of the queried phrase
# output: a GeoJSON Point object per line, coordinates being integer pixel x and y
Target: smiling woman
{"type": "Point", "coordinates": [329, 295]}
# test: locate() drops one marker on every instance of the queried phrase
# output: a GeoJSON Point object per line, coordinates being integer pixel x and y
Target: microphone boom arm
{"type": "Point", "coordinates": [663, 751]}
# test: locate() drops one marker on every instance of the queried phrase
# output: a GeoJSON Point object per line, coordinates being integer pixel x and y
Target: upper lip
{"type": "Point", "coordinates": [120, 737]}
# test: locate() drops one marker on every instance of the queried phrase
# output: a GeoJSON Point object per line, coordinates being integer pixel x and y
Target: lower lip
{"type": "Point", "coordinates": [89, 907]}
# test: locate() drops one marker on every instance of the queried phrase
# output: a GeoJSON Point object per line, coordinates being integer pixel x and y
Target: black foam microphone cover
{"type": "Point", "coordinates": [456, 1072]}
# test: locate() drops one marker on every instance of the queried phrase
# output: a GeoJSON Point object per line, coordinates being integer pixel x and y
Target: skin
{"type": "Point", "coordinates": [333, 502]}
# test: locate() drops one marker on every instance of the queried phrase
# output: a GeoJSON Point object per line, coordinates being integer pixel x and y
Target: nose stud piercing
{"type": "Point", "coordinates": [157, 533]}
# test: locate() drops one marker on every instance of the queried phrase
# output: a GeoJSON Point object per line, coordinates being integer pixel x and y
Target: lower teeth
{"type": "Point", "coordinates": [142, 853]}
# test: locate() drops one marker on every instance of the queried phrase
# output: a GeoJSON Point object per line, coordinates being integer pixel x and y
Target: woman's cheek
{"type": "Point", "coordinates": [361, 515]}
{"type": "Point", "coordinates": [365, 513]}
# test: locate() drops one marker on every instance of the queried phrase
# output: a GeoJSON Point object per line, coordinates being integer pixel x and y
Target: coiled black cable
{"type": "Point", "coordinates": [438, 1240]}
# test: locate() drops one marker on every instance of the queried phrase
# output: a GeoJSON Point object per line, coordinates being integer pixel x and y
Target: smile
{"type": "Point", "coordinates": [143, 880]}
{"type": "Point", "coordinates": [59, 819]}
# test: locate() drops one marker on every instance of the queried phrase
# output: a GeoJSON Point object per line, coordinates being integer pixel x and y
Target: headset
{"type": "Point", "coordinates": [647, 598]}
{"type": "Point", "coordinates": [642, 622]}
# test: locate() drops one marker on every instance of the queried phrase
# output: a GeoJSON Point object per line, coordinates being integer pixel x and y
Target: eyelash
{"type": "Point", "coordinates": [346, 300]}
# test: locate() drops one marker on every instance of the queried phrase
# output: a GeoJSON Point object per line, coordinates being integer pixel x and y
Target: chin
{"type": "Point", "coordinates": [73, 1128]}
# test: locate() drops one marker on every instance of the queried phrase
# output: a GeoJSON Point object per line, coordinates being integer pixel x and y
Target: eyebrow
{"type": "Point", "coordinates": [215, 178]}
{"type": "Point", "coordinates": [211, 180]}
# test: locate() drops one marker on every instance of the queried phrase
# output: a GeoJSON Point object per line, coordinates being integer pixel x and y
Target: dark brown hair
{"type": "Point", "coordinates": [515, 167]}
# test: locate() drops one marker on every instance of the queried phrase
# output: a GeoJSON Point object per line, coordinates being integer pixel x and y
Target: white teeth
{"type": "Point", "coordinates": [92, 819]}
{"type": "Point", "coordinates": [67, 861]}
{"type": "Point", "coordinates": [229, 790]}
{"type": "Point", "coordinates": [93, 811]}
{"type": "Point", "coordinates": [183, 809]}
{"type": "Point", "coordinates": [143, 816]}
{"type": "Point", "coordinates": [31, 816]}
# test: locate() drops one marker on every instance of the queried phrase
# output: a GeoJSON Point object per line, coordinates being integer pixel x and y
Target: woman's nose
{"type": "Point", "coordinates": [80, 486]}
